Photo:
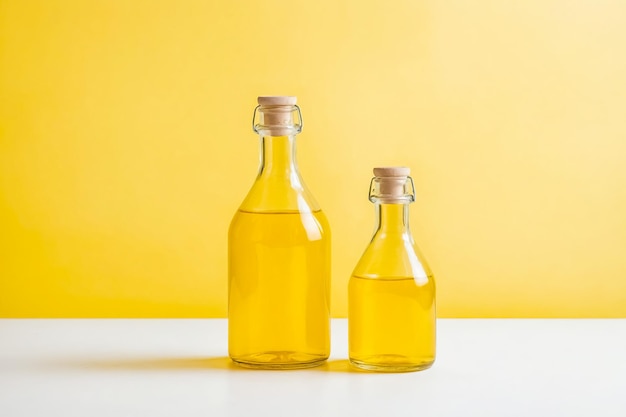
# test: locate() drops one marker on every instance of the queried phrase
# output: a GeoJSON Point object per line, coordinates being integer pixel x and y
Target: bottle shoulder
{"type": "Point", "coordinates": [279, 194]}
{"type": "Point", "coordinates": [393, 258]}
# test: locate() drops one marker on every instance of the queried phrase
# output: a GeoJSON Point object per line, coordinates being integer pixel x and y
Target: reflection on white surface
{"type": "Point", "coordinates": [162, 368]}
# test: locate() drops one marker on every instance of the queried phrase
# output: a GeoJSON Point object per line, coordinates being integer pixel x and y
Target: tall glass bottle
{"type": "Point", "coordinates": [278, 256]}
{"type": "Point", "coordinates": [391, 294]}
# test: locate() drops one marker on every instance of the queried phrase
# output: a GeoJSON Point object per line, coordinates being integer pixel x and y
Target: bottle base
{"type": "Point", "coordinates": [279, 360]}
{"type": "Point", "coordinates": [390, 363]}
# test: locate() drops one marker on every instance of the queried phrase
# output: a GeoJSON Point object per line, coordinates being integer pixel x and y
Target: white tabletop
{"type": "Point", "coordinates": [493, 367]}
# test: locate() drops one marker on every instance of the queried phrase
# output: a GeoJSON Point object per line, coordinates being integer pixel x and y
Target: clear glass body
{"type": "Point", "coordinates": [279, 267]}
{"type": "Point", "coordinates": [391, 305]}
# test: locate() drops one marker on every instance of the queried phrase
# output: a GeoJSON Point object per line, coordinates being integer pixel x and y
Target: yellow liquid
{"type": "Point", "coordinates": [391, 323]}
{"type": "Point", "coordinates": [279, 290]}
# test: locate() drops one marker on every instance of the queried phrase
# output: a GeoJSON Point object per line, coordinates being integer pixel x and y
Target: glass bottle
{"type": "Point", "coordinates": [278, 256]}
{"type": "Point", "coordinates": [391, 294]}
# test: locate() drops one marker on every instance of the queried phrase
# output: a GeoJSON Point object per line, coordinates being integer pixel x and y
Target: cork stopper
{"type": "Point", "coordinates": [277, 113]}
{"type": "Point", "coordinates": [391, 183]}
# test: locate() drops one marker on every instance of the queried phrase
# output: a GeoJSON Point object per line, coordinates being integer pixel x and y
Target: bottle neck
{"type": "Point", "coordinates": [278, 155]}
{"type": "Point", "coordinates": [392, 219]}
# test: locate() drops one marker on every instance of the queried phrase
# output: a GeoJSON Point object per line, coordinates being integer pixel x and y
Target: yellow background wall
{"type": "Point", "coordinates": [117, 116]}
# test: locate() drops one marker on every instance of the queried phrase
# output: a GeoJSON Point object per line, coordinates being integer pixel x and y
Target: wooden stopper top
{"type": "Point", "coordinates": [392, 172]}
{"type": "Point", "coordinates": [277, 100]}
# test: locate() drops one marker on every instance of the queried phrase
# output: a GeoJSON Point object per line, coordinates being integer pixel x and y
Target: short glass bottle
{"type": "Point", "coordinates": [391, 294]}
{"type": "Point", "coordinates": [278, 256]}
